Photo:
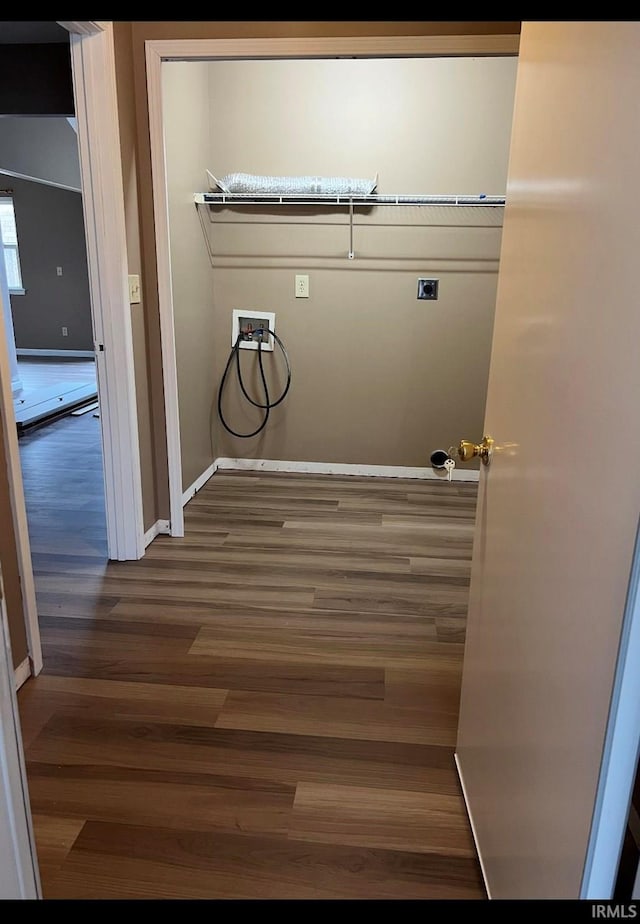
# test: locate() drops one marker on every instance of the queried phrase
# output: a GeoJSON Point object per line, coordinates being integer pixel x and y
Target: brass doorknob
{"type": "Point", "coordinates": [468, 450]}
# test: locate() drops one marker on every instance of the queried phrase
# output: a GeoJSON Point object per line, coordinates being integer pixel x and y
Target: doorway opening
{"type": "Point", "coordinates": [47, 311]}
{"type": "Point", "coordinates": [387, 377]}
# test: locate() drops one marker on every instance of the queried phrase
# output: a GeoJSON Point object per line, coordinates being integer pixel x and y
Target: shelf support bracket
{"type": "Point", "coordinates": [351, 253]}
{"type": "Point", "coordinates": [206, 233]}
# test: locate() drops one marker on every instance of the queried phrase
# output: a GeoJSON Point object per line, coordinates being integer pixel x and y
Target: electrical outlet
{"type": "Point", "coordinates": [428, 288]}
{"type": "Point", "coordinates": [65, 331]}
{"type": "Point", "coordinates": [302, 287]}
{"type": "Point", "coordinates": [58, 270]}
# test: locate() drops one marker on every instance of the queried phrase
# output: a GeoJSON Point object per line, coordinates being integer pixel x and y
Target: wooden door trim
{"type": "Point", "coordinates": [17, 841]}
{"type": "Point", "coordinates": [93, 65]}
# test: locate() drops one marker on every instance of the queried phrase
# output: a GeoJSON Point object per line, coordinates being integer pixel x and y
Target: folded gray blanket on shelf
{"type": "Point", "coordinates": [293, 185]}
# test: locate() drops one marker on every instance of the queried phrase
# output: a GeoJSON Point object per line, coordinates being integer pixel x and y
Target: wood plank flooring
{"type": "Point", "coordinates": [39, 371]}
{"type": "Point", "coordinates": [266, 708]}
{"type": "Point", "coordinates": [64, 494]}
{"type": "Point", "coordinates": [51, 388]}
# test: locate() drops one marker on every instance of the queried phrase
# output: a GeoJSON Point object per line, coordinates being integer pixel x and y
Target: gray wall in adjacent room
{"type": "Point", "coordinates": [39, 148]}
{"type": "Point", "coordinates": [50, 234]}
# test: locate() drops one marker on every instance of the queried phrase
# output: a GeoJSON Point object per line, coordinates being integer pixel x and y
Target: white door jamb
{"type": "Point", "coordinates": [93, 65]}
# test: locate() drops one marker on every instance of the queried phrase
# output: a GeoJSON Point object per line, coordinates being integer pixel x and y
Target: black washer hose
{"type": "Point", "coordinates": [268, 403]}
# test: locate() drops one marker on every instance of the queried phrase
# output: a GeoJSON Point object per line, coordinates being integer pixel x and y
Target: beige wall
{"type": "Point", "coordinates": [378, 376]}
{"type": "Point", "coordinates": [129, 40]}
{"type": "Point", "coordinates": [187, 136]}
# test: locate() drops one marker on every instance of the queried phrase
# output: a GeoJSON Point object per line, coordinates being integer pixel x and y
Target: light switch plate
{"type": "Point", "coordinates": [134, 290]}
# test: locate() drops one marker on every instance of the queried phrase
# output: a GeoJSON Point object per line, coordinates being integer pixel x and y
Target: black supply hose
{"type": "Point", "coordinates": [268, 403]}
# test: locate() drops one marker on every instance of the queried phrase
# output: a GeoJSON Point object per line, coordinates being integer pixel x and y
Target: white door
{"type": "Point", "coordinates": [559, 504]}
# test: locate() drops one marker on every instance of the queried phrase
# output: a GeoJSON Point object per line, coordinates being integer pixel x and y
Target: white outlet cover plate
{"type": "Point", "coordinates": [269, 317]}
{"type": "Point", "coordinates": [302, 285]}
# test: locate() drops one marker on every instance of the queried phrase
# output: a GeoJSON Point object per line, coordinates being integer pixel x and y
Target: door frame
{"type": "Point", "coordinates": [17, 841]}
{"type": "Point", "coordinates": [620, 753]}
{"type": "Point", "coordinates": [157, 51]}
{"type": "Point", "coordinates": [19, 514]}
{"type": "Point", "coordinates": [96, 105]}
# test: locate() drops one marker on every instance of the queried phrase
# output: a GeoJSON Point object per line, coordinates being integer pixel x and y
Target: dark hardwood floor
{"type": "Point", "coordinates": [266, 708]}
{"type": "Point", "coordinates": [62, 473]}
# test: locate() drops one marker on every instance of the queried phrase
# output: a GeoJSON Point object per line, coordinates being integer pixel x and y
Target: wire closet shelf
{"type": "Point", "coordinates": [342, 201]}
{"type": "Point", "coordinates": [210, 198]}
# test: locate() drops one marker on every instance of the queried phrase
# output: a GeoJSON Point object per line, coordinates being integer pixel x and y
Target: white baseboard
{"type": "Point", "coordinates": [160, 527]}
{"type": "Point", "coordinates": [63, 354]}
{"type": "Point", "coordinates": [22, 673]}
{"type": "Point", "coordinates": [473, 827]}
{"type": "Point", "coordinates": [341, 468]}
{"type": "Point", "coordinates": [199, 482]}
